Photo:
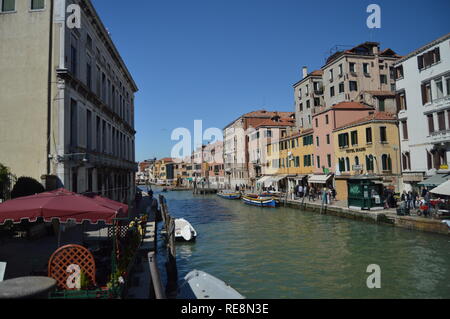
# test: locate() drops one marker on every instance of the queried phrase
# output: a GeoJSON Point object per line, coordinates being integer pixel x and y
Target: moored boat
{"type": "Point", "coordinates": [229, 195]}
{"type": "Point", "coordinates": [201, 285]}
{"type": "Point", "coordinates": [184, 231]}
{"type": "Point", "coordinates": [257, 200]}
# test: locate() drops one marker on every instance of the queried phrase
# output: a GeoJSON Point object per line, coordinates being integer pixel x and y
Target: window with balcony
{"type": "Point", "coordinates": [426, 93]}
{"type": "Point", "coordinates": [439, 89]}
{"type": "Point", "coordinates": [447, 84]}
{"type": "Point", "coordinates": [8, 5]}
{"type": "Point", "coordinates": [441, 121]}
{"type": "Point", "coordinates": [429, 58]}
{"type": "Point", "coordinates": [401, 101]}
{"type": "Point", "coordinates": [430, 123]}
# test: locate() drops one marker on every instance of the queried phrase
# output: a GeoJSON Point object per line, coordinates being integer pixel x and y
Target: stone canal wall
{"type": "Point", "coordinates": [386, 217]}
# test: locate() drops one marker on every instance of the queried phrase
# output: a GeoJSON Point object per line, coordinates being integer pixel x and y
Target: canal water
{"type": "Point", "coordinates": [295, 254]}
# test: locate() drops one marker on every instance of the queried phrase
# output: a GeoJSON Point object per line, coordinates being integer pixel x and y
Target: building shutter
{"type": "Point", "coordinates": [424, 94]}
{"type": "Point", "coordinates": [437, 53]}
{"type": "Point", "coordinates": [420, 62]}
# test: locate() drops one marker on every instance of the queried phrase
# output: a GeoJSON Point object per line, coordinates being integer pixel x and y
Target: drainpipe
{"type": "Point", "coordinates": [49, 86]}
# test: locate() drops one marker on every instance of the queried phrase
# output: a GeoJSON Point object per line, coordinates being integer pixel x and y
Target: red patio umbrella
{"type": "Point", "coordinates": [109, 202]}
{"type": "Point", "coordinates": [61, 205]}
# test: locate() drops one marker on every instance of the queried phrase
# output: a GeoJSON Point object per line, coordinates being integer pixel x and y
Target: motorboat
{"type": "Point", "coordinates": [230, 195]}
{"type": "Point", "coordinates": [184, 231]}
{"type": "Point", "coordinates": [201, 285]}
{"type": "Point", "coordinates": [260, 201]}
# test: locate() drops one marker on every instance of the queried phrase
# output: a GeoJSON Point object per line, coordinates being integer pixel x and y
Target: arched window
{"type": "Point", "coordinates": [347, 162]}
{"type": "Point", "coordinates": [356, 160]}
{"type": "Point", "coordinates": [386, 162]}
{"type": "Point", "coordinates": [369, 163]}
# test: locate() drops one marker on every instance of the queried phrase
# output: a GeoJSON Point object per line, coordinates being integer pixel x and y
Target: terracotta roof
{"type": "Point", "coordinates": [267, 114]}
{"type": "Point", "coordinates": [284, 122]}
{"type": "Point", "coordinates": [316, 73]}
{"type": "Point", "coordinates": [350, 106]}
{"type": "Point", "coordinates": [378, 116]}
{"type": "Point", "coordinates": [167, 159]}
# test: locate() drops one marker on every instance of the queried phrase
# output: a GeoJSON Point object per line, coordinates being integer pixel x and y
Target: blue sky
{"type": "Point", "coordinates": [214, 60]}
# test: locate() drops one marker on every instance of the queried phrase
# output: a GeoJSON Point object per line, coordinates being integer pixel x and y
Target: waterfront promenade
{"type": "Point", "coordinates": [386, 216]}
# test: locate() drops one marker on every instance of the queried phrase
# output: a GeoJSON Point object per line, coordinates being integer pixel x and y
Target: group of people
{"type": "Point", "coordinates": [413, 200]}
{"type": "Point", "coordinates": [312, 193]}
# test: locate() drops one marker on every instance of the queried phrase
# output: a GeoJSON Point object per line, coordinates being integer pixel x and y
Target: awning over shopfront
{"type": "Point", "coordinates": [278, 178]}
{"type": "Point", "coordinates": [299, 177]}
{"type": "Point", "coordinates": [436, 180]}
{"type": "Point", "coordinates": [319, 179]}
{"type": "Point", "coordinates": [264, 180]}
{"type": "Point", "coordinates": [443, 189]}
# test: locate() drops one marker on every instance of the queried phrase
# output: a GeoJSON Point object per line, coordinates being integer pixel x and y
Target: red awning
{"type": "Point", "coordinates": [61, 205]}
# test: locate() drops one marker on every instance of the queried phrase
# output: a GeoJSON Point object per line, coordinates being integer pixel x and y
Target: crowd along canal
{"type": "Point", "coordinates": [289, 253]}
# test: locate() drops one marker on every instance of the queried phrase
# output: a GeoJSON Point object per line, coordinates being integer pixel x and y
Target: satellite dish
{"type": "Point", "coordinates": [186, 233]}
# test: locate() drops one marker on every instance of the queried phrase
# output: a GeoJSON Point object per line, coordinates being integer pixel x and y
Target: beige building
{"type": "Point", "coordinates": [364, 68]}
{"type": "Point", "coordinates": [66, 99]}
{"type": "Point", "coordinates": [308, 96]}
{"type": "Point", "coordinates": [236, 150]}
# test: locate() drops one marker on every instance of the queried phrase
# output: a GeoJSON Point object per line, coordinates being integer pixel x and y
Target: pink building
{"type": "Point", "coordinates": [324, 122]}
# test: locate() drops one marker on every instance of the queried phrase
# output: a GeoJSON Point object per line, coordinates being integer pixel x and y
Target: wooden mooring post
{"type": "Point", "coordinates": [171, 263]}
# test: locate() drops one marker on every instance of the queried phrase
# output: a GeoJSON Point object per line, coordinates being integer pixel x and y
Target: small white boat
{"type": "Point", "coordinates": [184, 231]}
{"type": "Point", "coordinates": [201, 285]}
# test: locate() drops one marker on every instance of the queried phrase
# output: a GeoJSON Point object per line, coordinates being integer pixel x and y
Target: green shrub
{"type": "Point", "coordinates": [26, 186]}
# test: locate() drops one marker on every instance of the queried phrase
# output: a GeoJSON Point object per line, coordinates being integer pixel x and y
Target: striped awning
{"type": "Point", "coordinates": [319, 179]}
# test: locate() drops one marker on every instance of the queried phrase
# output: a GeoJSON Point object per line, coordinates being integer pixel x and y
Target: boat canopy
{"type": "Point", "coordinates": [436, 180]}
{"type": "Point", "coordinates": [319, 179]}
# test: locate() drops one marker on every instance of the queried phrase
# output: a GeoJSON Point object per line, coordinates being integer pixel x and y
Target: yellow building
{"type": "Point", "coordinates": [290, 160]}
{"type": "Point", "coordinates": [369, 146]}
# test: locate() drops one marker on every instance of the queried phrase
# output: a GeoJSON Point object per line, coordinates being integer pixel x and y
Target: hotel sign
{"type": "Point", "coordinates": [357, 150]}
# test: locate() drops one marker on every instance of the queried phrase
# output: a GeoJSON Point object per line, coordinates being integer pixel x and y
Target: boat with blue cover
{"type": "Point", "coordinates": [229, 195]}
{"type": "Point", "coordinates": [260, 201]}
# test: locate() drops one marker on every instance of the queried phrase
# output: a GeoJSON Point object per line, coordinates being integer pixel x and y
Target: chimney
{"type": "Point", "coordinates": [305, 72]}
